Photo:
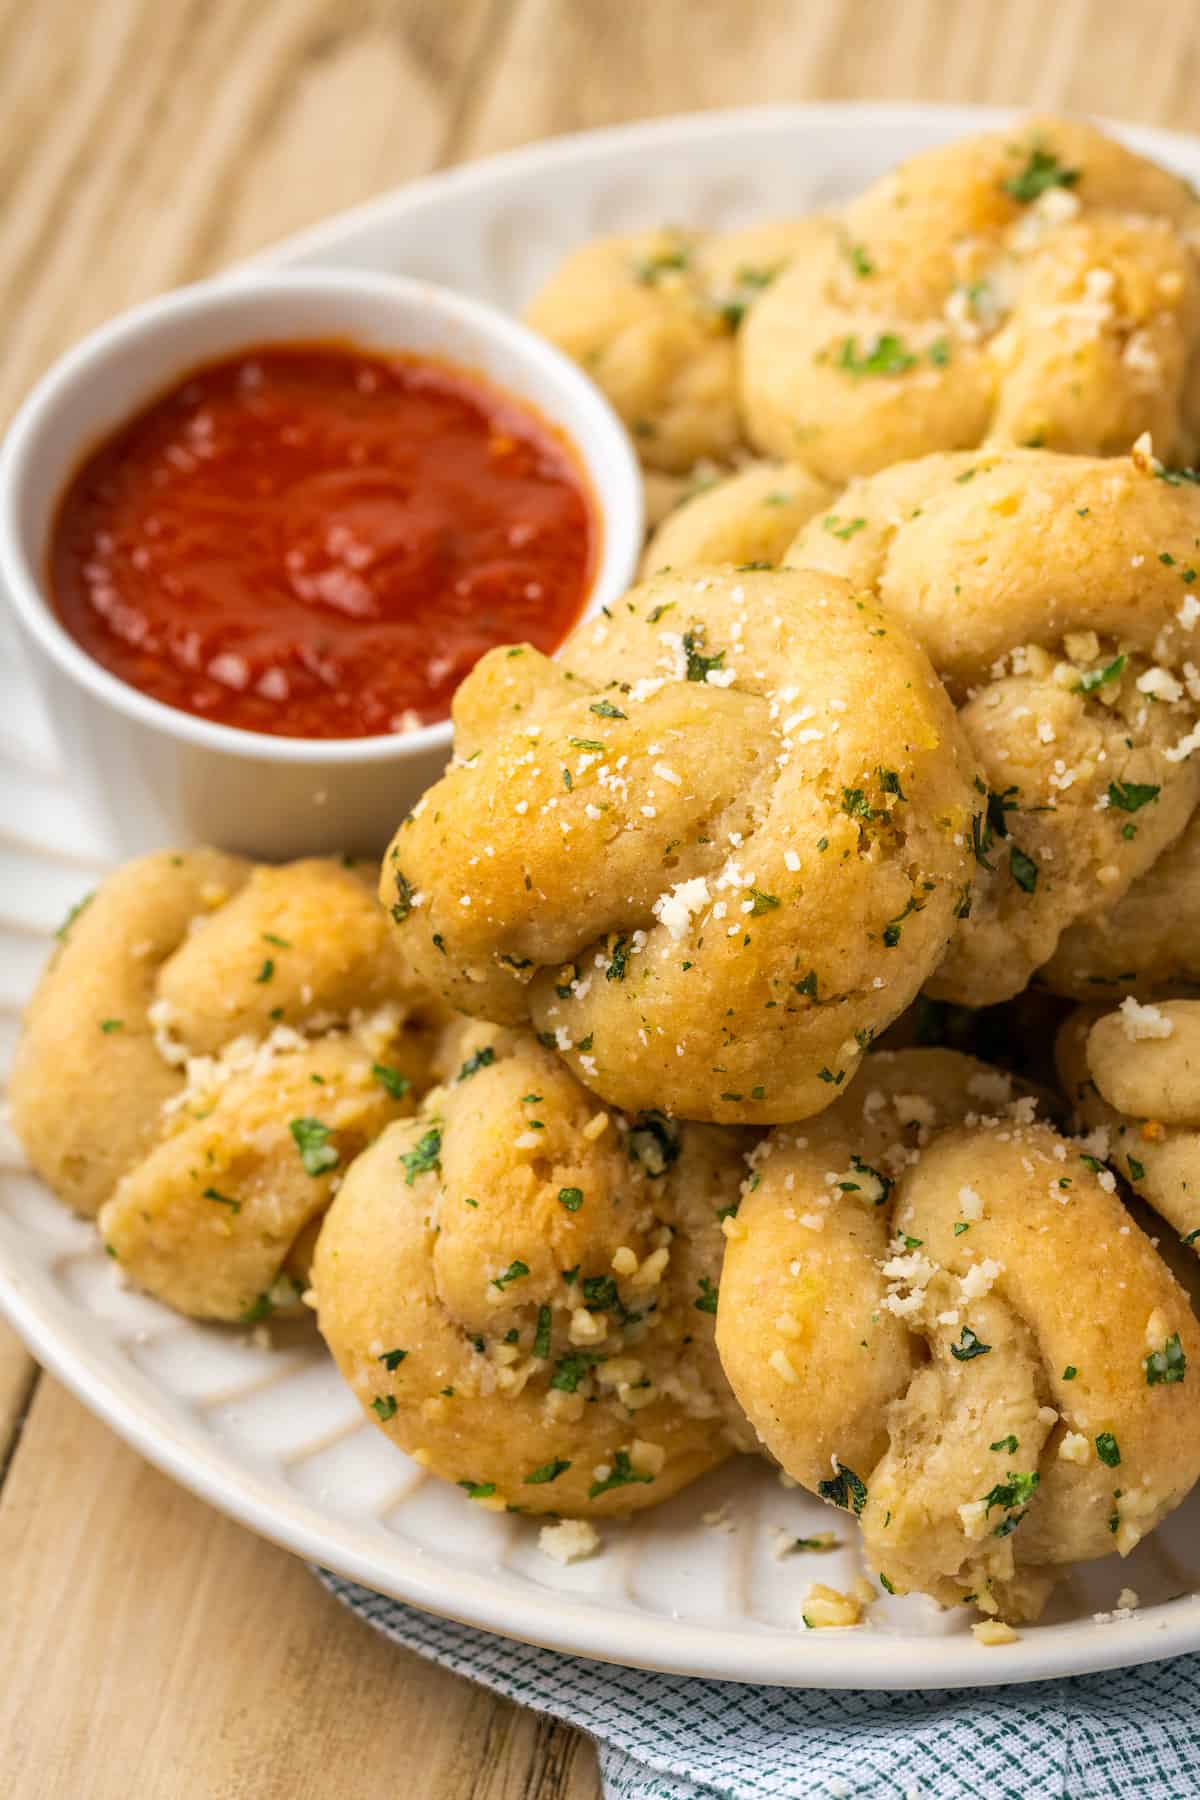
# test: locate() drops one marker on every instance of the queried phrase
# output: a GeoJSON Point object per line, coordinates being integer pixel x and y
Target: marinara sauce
{"type": "Point", "coordinates": [320, 541]}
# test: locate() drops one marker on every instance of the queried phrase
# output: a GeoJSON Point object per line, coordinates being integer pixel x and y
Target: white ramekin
{"type": "Point", "coordinates": [160, 776]}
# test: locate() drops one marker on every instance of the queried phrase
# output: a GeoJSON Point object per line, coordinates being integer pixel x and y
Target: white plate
{"type": "Point", "coordinates": [272, 1437]}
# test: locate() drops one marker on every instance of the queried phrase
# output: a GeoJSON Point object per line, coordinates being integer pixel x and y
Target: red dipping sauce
{"type": "Point", "coordinates": [320, 541]}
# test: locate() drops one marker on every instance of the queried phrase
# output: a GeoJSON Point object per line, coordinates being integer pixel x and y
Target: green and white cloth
{"type": "Point", "coordinates": [669, 1737]}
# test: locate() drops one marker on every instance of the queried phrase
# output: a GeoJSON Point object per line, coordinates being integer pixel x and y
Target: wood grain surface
{"type": "Point", "coordinates": [149, 1647]}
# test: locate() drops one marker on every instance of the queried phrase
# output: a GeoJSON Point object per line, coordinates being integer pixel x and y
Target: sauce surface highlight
{"type": "Point", "coordinates": [319, 541]}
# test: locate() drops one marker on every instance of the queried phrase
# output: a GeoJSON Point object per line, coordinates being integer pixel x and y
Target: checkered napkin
{"type": "Point", "coordinates": [668, 1737]}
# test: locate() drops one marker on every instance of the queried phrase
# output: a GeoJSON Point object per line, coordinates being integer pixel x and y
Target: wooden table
{"type": "Point", "coordinates": [150, 1648]}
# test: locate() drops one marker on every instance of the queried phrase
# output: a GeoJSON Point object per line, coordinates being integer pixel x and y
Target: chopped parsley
{"type": "Point", "coordinates": [886, 355]}
{"type": "Point", "coordinates": [391, 1359]}
{"type": "Point", "coordinates": [859, 261]}
{"type": "Point", "coordinates": [968, 1346]}
{"type": "Point", "coordinates": [860, 1167]}
{"type": "Point", "coordinates": [854, 802]}
{"type": "Point", "coordinates": [384, 1407]}
{"type": "Point", "coordinates": [478, 1490]}
{"type": "Point", "coordinates": [1041, 172]}
{"type": "Point", "coordinates": [647, 269]}
{"type": "Point", "coordinates": [606, 710]}
{"type": "Point", "coordinates": [1070, 1372]}
{"type": "Point", "coordinates": [394, 1083]}
{"type": "Point", "coordinates": [1166, 1365]}
{"type": "Point", "coordinates": [541, 1336]}
{"type": "Point", "coordinates": [893, 928]}
{"type": "Point", "coordinates": [571, 1198]}
{"type": "Point", "coordinates": [707, 1303]}
{"type": "Point", "coordinates": [1108, 1450]}
{"type": "Point", "coordinates": [403, 903]}
{"type": "Point", "coordinates": [1017, 1490]}
{"type": "Point", "coordinates": [599, 1293]}
{"type": "Point", "coordinates": [620, 959]}
{"type": "Point", "coordinates": [212, 1193]}
{"type": "Point", "coordinates": [72, 915]}
{"type": "Point", "coordinates": [654, 1143]}
{"type": "Point", "coordinates": [426, 1154]}
{"type": "Point", "coordinates": [585, 743]}
{"type": "Point", "coordinates": [481, 1059]}
{"type": "Point", "coordinates": [1137, 1172]}
{"type": "Point", "coordinates": [762, 903]}
{"type": "Point", "coordinates": [1098, 678]}
{"type": "Point", "coordinates": [1023, 869]}
{"type": "Point", "coordinates": [842, 528]}
{"type": "Point", "coordinates": [515, 1271]}
{"type": "Point", "coordinates": [548, 1472]}
{"type": "Point", "coordinates": [312, 1141]}
{"type": "Point", "coordinates": [266, 972]}
{"type": "Point", "coordinates": [570, 1370]}
{"type": "Point", "coordinates": [845, 1489]}
{"type": "Point", "coordinates": [1008, 1443]}
{"type": "Point", "coordinates": [259, 1308]}
{"type": "Point", "coordinates": [1131, 796]}
{"type": "Point", "coordinates": [108, 1026]}
{"type": "Point", "coordinates": [698, 665]}
{"type": "Point", "coordinates": [621, 1474]}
